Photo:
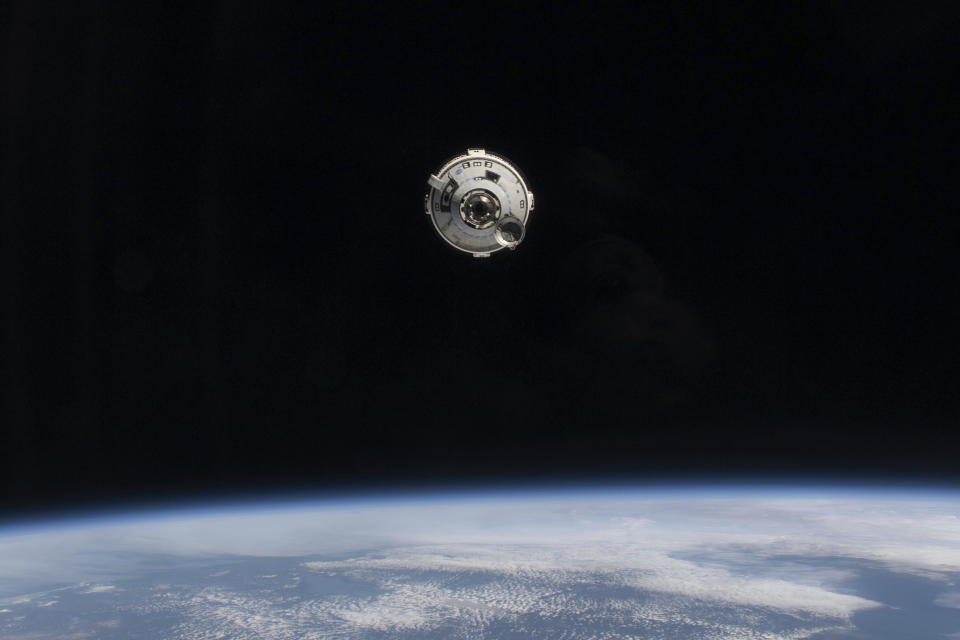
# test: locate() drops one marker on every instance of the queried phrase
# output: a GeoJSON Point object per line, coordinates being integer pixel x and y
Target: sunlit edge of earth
{"type": "Point", "coordinates": [208, 504]}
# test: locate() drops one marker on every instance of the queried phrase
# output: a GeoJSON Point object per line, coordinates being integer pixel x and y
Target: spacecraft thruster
{"type": "Point", "coordinates": [479, 203]}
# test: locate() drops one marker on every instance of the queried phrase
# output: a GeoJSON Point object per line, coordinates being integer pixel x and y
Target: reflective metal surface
{"type": "Point", "coordinates": [479, 203]}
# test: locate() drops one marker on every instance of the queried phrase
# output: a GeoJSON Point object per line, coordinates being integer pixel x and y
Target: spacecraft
{"type": "Point", "coordinates": [479, 203]}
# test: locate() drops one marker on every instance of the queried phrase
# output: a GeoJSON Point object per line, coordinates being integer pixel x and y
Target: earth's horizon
{"type": "Point", "coordinates": [607, 561]}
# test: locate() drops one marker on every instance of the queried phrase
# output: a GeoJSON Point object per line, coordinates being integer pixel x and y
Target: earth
{"type": "Point", "coordinates": [604, 562]}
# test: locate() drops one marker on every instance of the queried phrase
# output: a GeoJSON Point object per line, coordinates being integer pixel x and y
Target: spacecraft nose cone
{"type": "Point", "coordinates": [479, 203]}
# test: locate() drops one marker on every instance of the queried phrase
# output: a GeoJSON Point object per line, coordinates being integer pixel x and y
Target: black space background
{"type": "Point", "coordinates": [217, 274]}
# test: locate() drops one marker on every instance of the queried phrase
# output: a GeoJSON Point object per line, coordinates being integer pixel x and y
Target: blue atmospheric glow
{"type": "Point", "coordinates": [276, 502]}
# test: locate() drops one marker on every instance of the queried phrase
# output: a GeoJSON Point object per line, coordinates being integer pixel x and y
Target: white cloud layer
{"type": "Point", "coordinates": [632, 565]}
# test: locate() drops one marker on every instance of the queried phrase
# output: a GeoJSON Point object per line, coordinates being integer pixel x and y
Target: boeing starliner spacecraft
{"type": "Point", "coordinates": [479, 203]}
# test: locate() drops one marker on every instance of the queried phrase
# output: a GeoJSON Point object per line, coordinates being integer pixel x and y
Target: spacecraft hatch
{"type": "Point", "coordinates": [479, 203]}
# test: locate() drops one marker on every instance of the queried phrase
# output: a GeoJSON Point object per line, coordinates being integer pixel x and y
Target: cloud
{"type": "Point", "coordinates": [99, 588]}
{"type": "Point", "coordinates": [636, 566]}
{"type": "Point", "coordinates": [949, 599]}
